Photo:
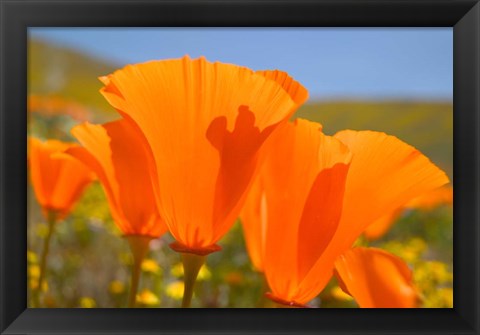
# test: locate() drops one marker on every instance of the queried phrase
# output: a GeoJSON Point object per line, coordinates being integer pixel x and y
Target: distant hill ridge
{"type": "Point", "coordinates": [73, 75]}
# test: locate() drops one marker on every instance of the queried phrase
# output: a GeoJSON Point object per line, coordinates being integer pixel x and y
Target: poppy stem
{"type": "Point", "coordinates": [139, 248]}
{"type": "Point", "coordinates": [43, 259]}
{"type": "Point", "coordinates": [192, 264]}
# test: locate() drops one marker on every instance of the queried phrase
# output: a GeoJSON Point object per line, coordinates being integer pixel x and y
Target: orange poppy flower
{"type": "Point", "coordinates": [428, 201]}
{"type": "Point", "coordinates": [307, 225]}
{"type": "Point", "coordinates": [116, 154]}
{"type": "Point", "coordinates": [58, 181]}
{"type": "Point", "coordinates": [376, 279]}
{"type": "Point", "coordinates": [300, 191]}
{"type": "Point", "coordinates": [205, 124]}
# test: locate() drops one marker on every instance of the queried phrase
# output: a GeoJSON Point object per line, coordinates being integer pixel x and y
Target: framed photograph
{"type": "Point", "coordinates": [294, 167]}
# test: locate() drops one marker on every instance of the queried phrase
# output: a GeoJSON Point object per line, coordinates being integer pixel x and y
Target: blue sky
{"type": "Point", "coordinates": [333, 63]}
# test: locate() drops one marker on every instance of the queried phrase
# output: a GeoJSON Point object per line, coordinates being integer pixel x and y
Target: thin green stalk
{"type": "Point", "coordinates": [44, 257]}
{"type": "Point", "coordinates": [139, 247]}
{"type": "Point", "coordinates": [192, 264]}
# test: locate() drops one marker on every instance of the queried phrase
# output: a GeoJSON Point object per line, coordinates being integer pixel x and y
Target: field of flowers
{"type": "Point", "coordinates": [307, 232]}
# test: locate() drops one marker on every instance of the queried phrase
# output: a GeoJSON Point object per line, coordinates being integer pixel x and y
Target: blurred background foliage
{"type": "Point", "coordinates": [89, 260]}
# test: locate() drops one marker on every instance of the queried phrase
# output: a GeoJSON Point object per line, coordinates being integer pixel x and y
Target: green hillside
{"type": "Point", "coordinates": [67, 73]}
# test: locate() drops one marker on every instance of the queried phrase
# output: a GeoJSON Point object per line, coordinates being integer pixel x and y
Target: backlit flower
{"type": "Point", "coordinates": [58, 180]}
{"type": "Point", "coordinates": [303, 180]}
{"type": "Point", "coordinates": [376, 279]}
{"type": "Point", "coordinates": [317, 195]}
{"type": "Point", "coordinates": [115, 152]}
{"type": "Point", "coordinates": [205, 124]}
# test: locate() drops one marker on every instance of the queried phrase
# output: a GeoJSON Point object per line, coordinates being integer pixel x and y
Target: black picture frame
{"type": "Point", "coordinates": [17, 15]}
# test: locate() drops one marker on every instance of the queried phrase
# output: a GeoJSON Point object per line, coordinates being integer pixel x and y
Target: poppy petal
{"type": "Point", "coordinates": [39, 162]}
{"type": "Point", "coordinates": [58, 182]}
{"type": "Point", "coordinates": [385, 173]}
{"type": "Point", "coordinates": [205, 123]}
{"type": "Point", "coordinates": [116, 152]}
{"type": "Point", "coordinates": [254, 222]}
{"type": "Point", "coordinates": [71, 181]}
{"type": "Point", "coordinates": [323, 206]}
{"type": "Point", "coordinates": [303, 166]}
{"type": "Point", "coordinates": [439, 196]}
{"type": "Point", "coordinates": [297, 92]}
{"type": "Point", "coordinates": [376, 279]}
